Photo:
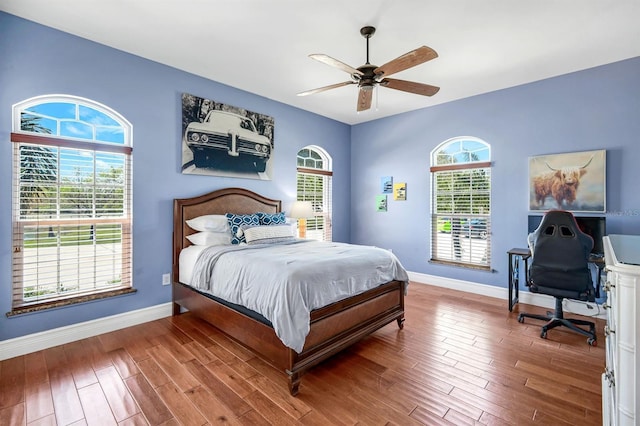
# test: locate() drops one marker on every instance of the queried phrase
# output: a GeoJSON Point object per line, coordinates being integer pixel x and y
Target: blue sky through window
{"type": "Point", "coordinates": [75, 121]}
{"type": "Point", "coordinates": [462, 151]}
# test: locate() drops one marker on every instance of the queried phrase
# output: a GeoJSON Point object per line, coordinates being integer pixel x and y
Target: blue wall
{"type": "Point", "coordinates": [37, 60]}
{"type": "Point", "coordinates": [598, 108]}
{"type": "Point", "coordinates": [593, 109]}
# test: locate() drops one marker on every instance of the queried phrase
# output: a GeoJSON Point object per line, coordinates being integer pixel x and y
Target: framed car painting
{"type": "Point", "coordinates": [223, 140]}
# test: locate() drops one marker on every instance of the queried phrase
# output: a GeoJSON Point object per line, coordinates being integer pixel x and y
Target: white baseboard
{"type": "Point", "coordinates": [543, 300]}
{"type": "Point", "coordinates": [59, 336]}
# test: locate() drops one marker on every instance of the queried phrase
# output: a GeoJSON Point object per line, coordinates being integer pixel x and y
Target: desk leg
{"type": "Point", "coordinates": [526, 277]}
{"type": "Point", "coordinates": [514, 280]}
{"type": "Point", "coordinates": [510, 282]}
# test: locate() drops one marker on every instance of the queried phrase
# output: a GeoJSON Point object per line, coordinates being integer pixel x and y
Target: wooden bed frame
{"type": "Point", "coordinates": [333, 327]}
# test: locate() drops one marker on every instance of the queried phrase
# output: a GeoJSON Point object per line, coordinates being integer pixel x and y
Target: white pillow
{"type": "Point", "coordinates": [268, 234]}
{"type": "Point", "coordinates": [210, 222]}
{"type": "Point", "coordinates": [210, 238]}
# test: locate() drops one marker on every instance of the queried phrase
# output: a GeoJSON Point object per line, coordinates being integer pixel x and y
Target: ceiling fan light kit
{"type": "Point", "coordinates": [369, 76]}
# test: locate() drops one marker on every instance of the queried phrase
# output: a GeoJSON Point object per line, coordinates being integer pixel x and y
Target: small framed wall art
{"type": "Point", "coordinates": [386, 184]}
{"type": "Point", "coordinates": [400, 191]}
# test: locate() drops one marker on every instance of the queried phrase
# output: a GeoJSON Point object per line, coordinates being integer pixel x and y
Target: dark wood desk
{"type": "Point", "coordinates": [516, 257]}
{"type": "Point", "coordinates": [519, 255]}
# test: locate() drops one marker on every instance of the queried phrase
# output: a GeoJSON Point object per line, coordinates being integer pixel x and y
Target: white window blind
{"type": "Point", "coordinates": [461, 204]}
{"type": "Point", "coordinates": [314, 184]}
{"type": "Point", "coordinates": [71, 206]}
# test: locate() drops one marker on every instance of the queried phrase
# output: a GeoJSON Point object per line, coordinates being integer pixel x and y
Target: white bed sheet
{"type": "Point", "coordinates": [188, 258]}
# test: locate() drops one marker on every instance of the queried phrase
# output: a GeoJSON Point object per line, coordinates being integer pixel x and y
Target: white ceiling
{"type": "Point", "coordinates": [261, 46]}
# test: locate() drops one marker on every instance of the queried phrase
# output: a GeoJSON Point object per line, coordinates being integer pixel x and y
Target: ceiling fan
{"type": "Point", "coordinates": [368, 76]}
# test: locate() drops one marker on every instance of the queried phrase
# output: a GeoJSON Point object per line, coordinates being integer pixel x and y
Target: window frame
{"type": "Point", "coordinates": [92, 148]}
{"type": "Point", "coordinates": [457, 235]}
{"type": "Point", "coordinates": [322, 206]}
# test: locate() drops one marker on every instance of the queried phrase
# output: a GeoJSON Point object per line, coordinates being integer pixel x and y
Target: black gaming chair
{"type": "Point", "coordinates": [559, 268]}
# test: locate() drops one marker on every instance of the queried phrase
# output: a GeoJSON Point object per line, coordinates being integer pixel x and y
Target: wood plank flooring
{"type": "Point", "coordinates": [461, 359]}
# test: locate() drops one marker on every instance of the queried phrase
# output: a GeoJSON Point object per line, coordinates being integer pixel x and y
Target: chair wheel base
{"type": "Point", "coordinates": [556, 319]}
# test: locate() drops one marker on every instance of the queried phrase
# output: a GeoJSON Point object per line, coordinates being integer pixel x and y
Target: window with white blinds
{"type": "Point", "coordinates": [71, 203]}
{"type": "Point", "coordinates": [461, 203]}
{"type": "Point", "coordinates": [314, 184]}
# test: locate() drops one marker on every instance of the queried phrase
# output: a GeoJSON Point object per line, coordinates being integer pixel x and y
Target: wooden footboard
{"type": "Point", "coordinates": [333, 328]}
{"type": "Point", "coordinates": [337, 326]}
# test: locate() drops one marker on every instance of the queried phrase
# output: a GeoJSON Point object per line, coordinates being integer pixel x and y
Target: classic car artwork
{"type": "Point", "coordinates": [219, 139]}
{"type": "Point", "coordinates": [228, 134]}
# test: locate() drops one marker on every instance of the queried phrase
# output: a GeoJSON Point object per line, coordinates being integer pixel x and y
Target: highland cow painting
{"type": "Point", "coordinates": [573, 181]}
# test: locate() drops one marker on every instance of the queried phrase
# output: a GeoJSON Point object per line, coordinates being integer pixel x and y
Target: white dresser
{"type": "Point", "coordinates": [620, 381]}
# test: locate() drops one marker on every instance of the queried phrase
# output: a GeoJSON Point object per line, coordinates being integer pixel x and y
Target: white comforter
{"type": "Point", "coordinates": [285, 282]}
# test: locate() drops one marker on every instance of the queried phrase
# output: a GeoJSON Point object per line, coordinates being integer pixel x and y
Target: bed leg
{"type": "Point", "coordinates": [400, 322]}
{"type": "Point", "coordinates": [294, 383]}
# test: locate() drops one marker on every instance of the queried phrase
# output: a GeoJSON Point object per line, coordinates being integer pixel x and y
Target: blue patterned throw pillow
{"type": "Point", "coordinates": [272, 219]}
{"type": "Point", "coordinates": [236, 221]}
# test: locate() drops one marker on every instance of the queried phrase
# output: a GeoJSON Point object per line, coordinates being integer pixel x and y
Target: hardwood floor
{"type": "Point", "coordinates": [460, 359]}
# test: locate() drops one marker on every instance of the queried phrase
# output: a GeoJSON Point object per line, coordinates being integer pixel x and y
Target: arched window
{"type": "Point", "coordinates": [71, 203]}
{"type": "Point", "coordinates": [461, 203]}
{"type": "Point", "coordinates": [314, 184]}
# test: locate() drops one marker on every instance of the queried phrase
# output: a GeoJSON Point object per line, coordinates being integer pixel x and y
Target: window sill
{"type": "Point", "coordinates": [73, 300]}
{"type": "Point", "coordinates": [461, 265]}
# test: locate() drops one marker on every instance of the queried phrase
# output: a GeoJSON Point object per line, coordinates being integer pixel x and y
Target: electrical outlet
{"type": "Point", "coordinates": [166, 279]}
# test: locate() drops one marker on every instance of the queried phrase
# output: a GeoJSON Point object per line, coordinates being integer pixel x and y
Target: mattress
{"type": "Point", "coordinates": [285, 282]}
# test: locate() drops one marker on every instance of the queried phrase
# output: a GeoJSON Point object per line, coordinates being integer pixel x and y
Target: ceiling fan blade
{"type": "Point", "coordinates": [364, 98]}
{"type": "Point", "coordinates": [322, 89]}
{"type": "Point", "coordinates": [410, 86]}
{"type": "Point", "coordinates": [334, 63]}
{"type": "Point", "coordinates": [408, 60]}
